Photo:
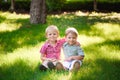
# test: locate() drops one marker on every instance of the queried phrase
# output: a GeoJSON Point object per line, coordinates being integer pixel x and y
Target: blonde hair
{"type": "Point", "coordinates": [52, 27]}
{"type": "Point", "coordinates": [71, 30]}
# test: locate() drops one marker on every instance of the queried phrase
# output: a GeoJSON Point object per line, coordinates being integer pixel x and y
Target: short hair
{"type": "Point", "coordinates": [71, 30]}
{"type": "Point", "coordinates": [52, 27]}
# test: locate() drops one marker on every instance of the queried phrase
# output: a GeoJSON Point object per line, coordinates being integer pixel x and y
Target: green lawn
{"type": "Point", "coordinates": [20, 42]}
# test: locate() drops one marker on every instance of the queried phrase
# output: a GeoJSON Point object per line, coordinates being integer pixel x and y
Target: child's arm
{"type": "Point", "coordinates": [43, 51]}
{"type": "Point", "coordinates": [75, 58]}
{"type": "Point", "coordinates": [77, 43]}
{"type": "Point", "coordinates": [43, 57]}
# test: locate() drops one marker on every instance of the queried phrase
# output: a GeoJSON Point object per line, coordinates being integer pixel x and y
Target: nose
{"type": "Point", "coordinates": [52, 35]}
{"type": "Point", "coordinates": [71, 39]}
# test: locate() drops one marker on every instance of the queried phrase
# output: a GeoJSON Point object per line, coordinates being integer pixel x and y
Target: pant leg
{"type": "Point", "coordinates": [72, 63]}
{"type": "Point", "coordinates": [55, 63]}
{"type": "Point", "coordinates": [66, 64]}
{"type": "Point", "coordinates": [42, 68]}
{"type": "Point", "coordinates": [45, 63]}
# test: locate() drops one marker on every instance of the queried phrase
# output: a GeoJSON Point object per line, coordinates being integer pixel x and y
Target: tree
{"type": "Point", "coordinates": [38, 11]}
{"type": "Point", "coordinates": [5, 0]}
{"type": "Point", "coordinates": [95, 5]}
{"type": "Point", "coordinates": [12, 7]}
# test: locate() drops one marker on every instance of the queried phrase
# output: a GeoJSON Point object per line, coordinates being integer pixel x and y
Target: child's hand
{"type": "Point", "coordinates": [48, 59]}
{"type": "Point", "coordinates": [69, 59]}
{"type": "Point", "coordinates": [53, 60]}
{"type": "Point", "coordinates": [77, 43]}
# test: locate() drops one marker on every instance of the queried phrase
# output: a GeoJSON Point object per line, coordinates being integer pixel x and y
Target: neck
{"type": "Point", "coordinates": [52, 42]}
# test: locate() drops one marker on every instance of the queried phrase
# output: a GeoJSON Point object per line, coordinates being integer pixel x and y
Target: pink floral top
{"type": "Point", "coordinates": [52, 51]}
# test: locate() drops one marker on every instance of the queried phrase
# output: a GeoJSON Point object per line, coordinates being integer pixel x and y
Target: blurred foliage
{"type": "Point", "coordinates": [64, 5]}
{"type": "Point", "coordinates": [55, 5]}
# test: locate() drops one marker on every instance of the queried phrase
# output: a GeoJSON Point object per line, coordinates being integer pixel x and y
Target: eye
{"type": "Point", "coordinates": [74, 37]}
{"type": "Point", "coordinates": [69, 37]}
{"type": "Point", "coordinates": [49, 34]}
{"type": "Point", "coordinates": [54, 34]}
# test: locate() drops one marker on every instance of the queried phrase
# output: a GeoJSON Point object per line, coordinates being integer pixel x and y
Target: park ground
{"type": "Point", "coordinates": [99, 36]}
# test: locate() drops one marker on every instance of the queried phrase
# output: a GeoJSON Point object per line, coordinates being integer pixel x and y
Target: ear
{"type": "Point", "coordinates": [58, 35]}
{"type": "Point", "coordinates": [65, 38]}
{"type": "Point", "coordinates": [46, 36]}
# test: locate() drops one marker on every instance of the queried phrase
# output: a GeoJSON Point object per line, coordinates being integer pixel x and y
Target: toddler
{"type": "Point", "coordinates": [73, 53]}
{"type": "Point", "coordinates": [50, 51]}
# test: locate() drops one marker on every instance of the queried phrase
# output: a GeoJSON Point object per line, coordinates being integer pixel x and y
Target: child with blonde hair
{"type": "Point", "coordinates": [74, 54]}
{"type": "Point", "coordinates": [50, 51]}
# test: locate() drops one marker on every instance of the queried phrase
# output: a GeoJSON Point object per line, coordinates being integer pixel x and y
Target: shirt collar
{"type": "Point", "coordinates": [66, 43]}
{"type": "Point", "coordinates": [48, 44]}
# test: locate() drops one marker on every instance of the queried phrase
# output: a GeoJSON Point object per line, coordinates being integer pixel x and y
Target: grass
{"type": "Point", "coordinates": [20, 43]}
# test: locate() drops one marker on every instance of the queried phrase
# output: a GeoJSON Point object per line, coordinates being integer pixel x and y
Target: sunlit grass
{"type": "Point", "coordinates": [89, 40]}
{"type": "Point", "coordinates": [107, 30]}
{"type": "Point", "coordinates": [9, 23]}
{"type": "Point", "coordinates": [98, 36]}
{"type": "Point", "coordinates": [110, 52]}
{"type": "Point", "coordinates": [9, 27]}
{"type": "Point", "coordinates": [14, 15]}
{"type": "Point", "coordinates": [30, 55]}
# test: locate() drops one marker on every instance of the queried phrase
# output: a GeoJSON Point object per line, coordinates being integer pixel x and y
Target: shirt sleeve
{"type": "Point", "coordinates": [43, 49]}
{"type": "Point", "coordinates": [80, 51]}
{"type": "Point", "coordinates": [62, 41]}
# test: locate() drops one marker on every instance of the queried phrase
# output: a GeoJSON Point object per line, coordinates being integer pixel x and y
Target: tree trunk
{"type": "Point", "coordinates": [12, 7]}
{"type": "Point", "coordinates": [5, 0]}
{"type": "Point", "coordinates": [95, 5]}
{"type": "Point", "coordinates": [38, 11]}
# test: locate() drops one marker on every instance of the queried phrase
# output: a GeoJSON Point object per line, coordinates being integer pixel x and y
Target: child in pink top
{"type": "Point", "coordinates": [50, 51]}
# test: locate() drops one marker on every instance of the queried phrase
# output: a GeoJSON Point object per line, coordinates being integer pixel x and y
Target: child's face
{"type": "Point", "coordinates": [71, 38]}
{"type": "Point", "coordinates": [52, 35]}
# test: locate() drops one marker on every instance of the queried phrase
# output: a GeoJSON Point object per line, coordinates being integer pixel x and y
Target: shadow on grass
{"type": "Point", "coordinates": [31, 34]}
{"type": "Point", "coordinates": [82, 23]}
{"type": "Point", "coordinates": [100, 64]}
{"type": "Point", "coordinates": [19, 70]}
{"type": "Point", "coordinates": [2, 18]}
{"type": "Point", "coordinates": [27, 35]}
{"type": "Point", "coordinates": [100, 69]}
{"type": "Point", "coordinates": [24, 70]}
{"type": "Point", "coordinates": [115, 43]}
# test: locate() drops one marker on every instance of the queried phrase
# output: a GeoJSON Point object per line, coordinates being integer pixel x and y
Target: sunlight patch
{"type": "Point", "coordinates": [8, 15]}
{"type": "Point", "coordinates": [112, 16]}
{"type": "Point", "coordinates": [30, 54]}
{"type": "Point", "coordinates": [89, 40]}
{"type": "Point", "coordinates": [110, 52]}
{"type": "Point", "coordinates": [8, 27]}
{"type": "Point", "coordinates": [110, 31]}
{"type": "Point", "coordinates": [106, 15]}
{"type": "Point", "coordinates": [80, 13]}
